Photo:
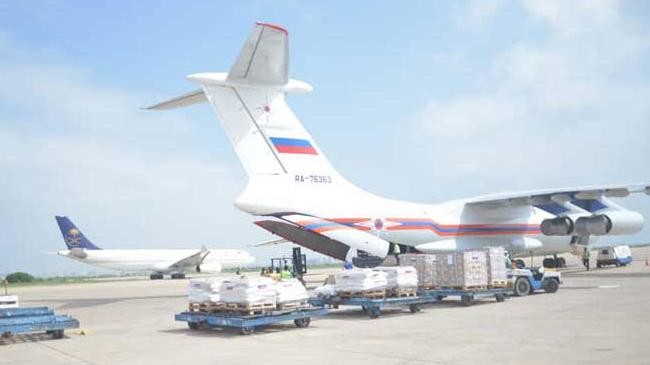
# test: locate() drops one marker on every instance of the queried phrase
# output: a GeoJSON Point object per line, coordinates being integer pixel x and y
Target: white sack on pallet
{"type": "Point", "coordinates": [326, 290]}
{"type": "Point", "coordinates": [245, 290]}
{"type": "Point", "coordinates": [290, 290]}
{"type": "Point", "coordinates": [204, 290]}
{"type": "Point", "coordinates": [360, 280]}
{"type": "Point", "coordinates": [400, 277]}
{"type": "Point", "coordinates": [425, 265]}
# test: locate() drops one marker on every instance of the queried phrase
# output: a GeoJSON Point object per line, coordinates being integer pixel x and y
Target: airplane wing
{"type": "Point", "coordinates": [192, 260]}
{"type": "Point", "coordinates": [327, 237]}
{"type": "Point", "coordinates": [551, 196]}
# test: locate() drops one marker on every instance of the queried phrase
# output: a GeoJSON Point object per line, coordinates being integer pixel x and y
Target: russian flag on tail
{"type": "Point", "coordinates": [293, 145]}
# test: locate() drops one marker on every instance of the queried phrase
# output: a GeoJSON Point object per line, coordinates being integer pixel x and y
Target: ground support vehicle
{"type": "Point", "coordinates": [248, 323]}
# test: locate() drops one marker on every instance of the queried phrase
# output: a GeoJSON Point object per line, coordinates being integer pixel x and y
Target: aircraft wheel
{"type": "Point", "coordinates": [561, 262]}
{"type": "Point", "coordinates": [156, 276]}
{"type": "Point", "coordinates": [522, 287]}
{"type": "Point", "coordinates": [551, 286]}
{"type": "Point", "coordinates": [550, 263]}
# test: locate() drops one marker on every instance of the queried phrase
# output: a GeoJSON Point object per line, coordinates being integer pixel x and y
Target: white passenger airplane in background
{"type": "Point", "coordinates": [162, 261]}
{"type": "Point", "coordinates": [311, 204]}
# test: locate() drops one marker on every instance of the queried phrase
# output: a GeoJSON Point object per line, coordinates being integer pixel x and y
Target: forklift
{"type": "Point", "coordinates": [297, 263]}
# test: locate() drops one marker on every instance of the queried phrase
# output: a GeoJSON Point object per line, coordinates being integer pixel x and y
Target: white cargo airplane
{"type": "Point", "coordinates": [162, 261]}
{"type": "Point", "coordinates": [312, 205]}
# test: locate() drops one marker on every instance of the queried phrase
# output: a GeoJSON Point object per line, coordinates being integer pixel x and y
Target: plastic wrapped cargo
{"type": "Point", "coordinates": [462, 269]}
{"type": "Point", "coordinates": [496, 263]}
{"type": "Point", "coordinates": [245, 290]}
{"type": "Point", "coordinates": [356, 280]}
{"type": "Point", "coordinates": [400, 277]}
{"type": "Point", "coordinates": [290, 290]}
{"type": "Point", "coordinates": [425, 266]}
{"type": "Point", "coordinates": [326, 290]}
{"type": "Point", "coordinates": [204, 290]}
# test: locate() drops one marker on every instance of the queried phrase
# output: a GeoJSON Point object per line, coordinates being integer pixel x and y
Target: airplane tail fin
{"type": "Point", "coordinates": [250, 103]}
{"type": "Point", "coordinates": [72, 236]}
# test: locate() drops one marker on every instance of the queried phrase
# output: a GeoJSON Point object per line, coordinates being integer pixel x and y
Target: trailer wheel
{"type": "Point", "coordinates": [247, 330]}
{"type": "Point", "coordinates": [466, 300]}
{"type": "Point", "coordinates": [57, 334]}
{"type": "Point", "coordinates": [414, 308]}
{"type": "Point", "coordinates": [522, 286]}
{"type": "Point", "coordinates": [551, 286]}
{"type": "Point", "coordinates": [374, 312]}
{"type": "Point", "coordinates": [500, 297]}
{"type": "Point", "coordinates": [194, 325]}
{"type": "Point", "coordinates": [302, 322]}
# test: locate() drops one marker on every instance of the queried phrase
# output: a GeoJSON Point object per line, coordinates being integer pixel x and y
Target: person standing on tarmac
{"type": "Point", "coordinates": [585, 258]}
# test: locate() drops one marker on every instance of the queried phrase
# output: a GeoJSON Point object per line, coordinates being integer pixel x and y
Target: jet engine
{"type": "Point", "coordinates": [560, 226]}
{"type": "Point", "coordinates": [614, 222]}
{"type": "Point", "coordinates": [209, 268]}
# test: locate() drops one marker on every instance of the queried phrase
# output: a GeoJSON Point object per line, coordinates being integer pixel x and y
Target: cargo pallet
{"type": "Point", "coordinates": [424, 296]}
{"type": "Point", "coordinates": [34, 319]}
{"type": "Point", "coordinates": [373, 306]}
{"type": "Point", "coordinates": [247, 324]}
{"type": "Point", "coordinates": [468, 296]}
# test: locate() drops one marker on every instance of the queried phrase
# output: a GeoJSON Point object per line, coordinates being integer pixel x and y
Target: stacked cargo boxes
{"type": "Point", "coordinates": [497, 274]}
{"type": "Point", "coordinates": [425, 265]}
{"type": "Point", "coordinates": [462, 269]}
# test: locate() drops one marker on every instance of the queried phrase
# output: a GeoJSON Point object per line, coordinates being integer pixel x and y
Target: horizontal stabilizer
{"type": "Point", "coordinates": [191, 98]}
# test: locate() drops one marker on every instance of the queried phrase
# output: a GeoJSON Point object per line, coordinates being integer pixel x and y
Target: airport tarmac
{"type": "Point", "coordinates": [599, 316]}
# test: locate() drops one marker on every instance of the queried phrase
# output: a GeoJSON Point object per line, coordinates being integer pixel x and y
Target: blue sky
{"type": "Point", "coordinates": [426, 101]}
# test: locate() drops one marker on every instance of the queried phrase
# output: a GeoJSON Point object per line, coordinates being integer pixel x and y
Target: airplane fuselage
{"type": "Point", "coordinates": [156, 260]}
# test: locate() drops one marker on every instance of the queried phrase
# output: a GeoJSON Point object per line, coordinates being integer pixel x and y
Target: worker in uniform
{"type": "Point", "coordinates": [347, 265]}
{"type": "Point", "coordinates": [286, 274]}
{"type": "Point", "coordinates": [585, 258]}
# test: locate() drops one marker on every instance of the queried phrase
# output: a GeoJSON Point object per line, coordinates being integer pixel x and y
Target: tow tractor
{"type": "Point", "coordinates": [529, 280]}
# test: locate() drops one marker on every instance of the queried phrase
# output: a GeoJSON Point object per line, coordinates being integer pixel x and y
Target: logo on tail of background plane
{"type": "Point", "coordinates": [72, 235]}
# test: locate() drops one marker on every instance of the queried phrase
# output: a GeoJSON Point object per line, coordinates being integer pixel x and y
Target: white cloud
{"type": "Point", "coordinates": [563, 109]}
{"type": "Point", "coordinates": [479, 13]}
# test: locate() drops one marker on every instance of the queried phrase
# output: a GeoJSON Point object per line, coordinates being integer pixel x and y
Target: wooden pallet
{"type": "Point", "coordinates": [248, 308]}
{"type": "Point", "coordinates": [498, 284]}
{"type": "Point", "coordinates": [401, 292]}
{"type": "Point", "coordinates": [293, 305]}
{"type": "Point", "coordinates": [208, 307]}
{"type": "Point", "coordinates": [372, 294]}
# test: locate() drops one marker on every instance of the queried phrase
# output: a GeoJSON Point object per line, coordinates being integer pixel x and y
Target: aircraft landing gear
{"type": "Point", "coordinates": [555, 262]}
{"type": "Point", "coordinates": [156, 276]}
{"type": "Point", "coordinates": [178, 275]}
